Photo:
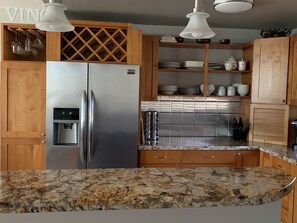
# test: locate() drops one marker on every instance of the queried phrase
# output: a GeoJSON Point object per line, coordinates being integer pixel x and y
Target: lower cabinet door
{"type": "Point", "coordinates": [247, 158]}
{"type": "Point", "coordinates": [22, 154]}
{"type": "Point", "coordinates": [160, 158]}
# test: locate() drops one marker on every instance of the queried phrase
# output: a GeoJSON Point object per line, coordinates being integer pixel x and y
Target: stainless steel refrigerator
{"type": "Point", "coordinates": [91, 115]}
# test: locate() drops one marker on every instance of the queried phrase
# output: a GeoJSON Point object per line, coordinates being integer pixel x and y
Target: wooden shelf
{"type": "Point", "coordinates": [200, 70]}
{"type": "Point", "coordinates": [199, 95]}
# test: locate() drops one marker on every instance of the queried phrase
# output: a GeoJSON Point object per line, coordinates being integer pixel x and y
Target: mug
{"type": "Point", "coordinates": [241, 65]}
{"type": "Point", "coordinates": [230, 66]}
{"type": "Point", "coordinates": [221, 91]}
{"type": "Point", "coordinates": [231, 91]}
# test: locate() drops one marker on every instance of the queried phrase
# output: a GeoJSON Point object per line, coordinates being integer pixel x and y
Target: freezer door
{"type": "Point", "coordinates": [66, 91]}
{"type": "Point", "coordinates": [113, 94]}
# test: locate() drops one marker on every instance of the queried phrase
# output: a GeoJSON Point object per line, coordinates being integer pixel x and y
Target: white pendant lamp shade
{"type": "Point", "coordinates": [54, 19]}
{"type": "Point", "coordinates": [197, 27]}
{"type": "Point", "coordinates": [233, 6]}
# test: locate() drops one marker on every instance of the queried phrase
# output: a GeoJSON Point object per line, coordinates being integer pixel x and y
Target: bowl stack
{"type": "Point", "coordinates": [167, 89]}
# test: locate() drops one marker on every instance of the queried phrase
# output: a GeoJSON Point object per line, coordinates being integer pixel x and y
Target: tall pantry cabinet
{"type": "Point", "coordinates": [23, 84]}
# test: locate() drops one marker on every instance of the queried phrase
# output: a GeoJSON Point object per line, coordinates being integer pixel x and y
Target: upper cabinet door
{"type": "Point", "coordinates": [270, 70]}
{"type": "Point", "coordinates": [23, 99]}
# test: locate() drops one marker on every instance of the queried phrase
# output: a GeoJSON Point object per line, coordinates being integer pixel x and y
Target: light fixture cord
{"type": "Point", "coordinates": [197, 9]}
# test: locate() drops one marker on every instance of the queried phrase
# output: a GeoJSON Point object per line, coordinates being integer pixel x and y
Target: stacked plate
{"type": "Point", "coordinates": [170, 64]}
{"type": "Point", "coordinates": [189, 90]}
{"type": "Point", "coordinates": [167, 89]}
{"type": "Point", "coordinates": [193, 64]}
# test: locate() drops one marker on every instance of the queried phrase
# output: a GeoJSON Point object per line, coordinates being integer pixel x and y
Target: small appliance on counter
{"type": "Point", "coordinates": [294, 145]}
{"type": "Point", "coordinates": [150, 120]}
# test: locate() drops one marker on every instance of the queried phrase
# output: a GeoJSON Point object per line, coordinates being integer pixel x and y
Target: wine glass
{"type": "Point", "coordinates": [15, 43]}
{"type": "Point", "coordinates": [38, 44]}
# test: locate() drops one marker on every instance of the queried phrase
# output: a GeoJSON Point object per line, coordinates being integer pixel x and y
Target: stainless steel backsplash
{"type": "Point", "coordinates": [194, 116]}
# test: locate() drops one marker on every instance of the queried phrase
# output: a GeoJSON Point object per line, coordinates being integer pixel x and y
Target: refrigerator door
{"type": "Point", "coordinates": [113, 95]}
{"type": "Point", "coordinates": [66, 92]}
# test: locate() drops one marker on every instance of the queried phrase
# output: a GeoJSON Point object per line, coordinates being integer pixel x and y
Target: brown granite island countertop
{"type": "Point", "coordinates": [143, 188]}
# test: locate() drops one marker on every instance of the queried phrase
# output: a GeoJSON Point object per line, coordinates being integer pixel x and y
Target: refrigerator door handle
{"type": "Point", "coordinates": [91, 127]}
{"type": "Point", "coordinates": [83, 129]}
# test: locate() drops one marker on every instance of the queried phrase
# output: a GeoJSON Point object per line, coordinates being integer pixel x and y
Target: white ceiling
{"type": "Point", "coordinates": [264, 14]}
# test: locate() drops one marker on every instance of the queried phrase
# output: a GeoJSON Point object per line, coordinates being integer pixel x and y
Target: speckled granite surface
{"type": "Point", "coordinates": [283, 152]}
{"type": "Point", "coordinates": [143, 188]}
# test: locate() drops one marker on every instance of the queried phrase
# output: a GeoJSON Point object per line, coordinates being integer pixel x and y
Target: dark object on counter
{"type": "Point", "coordinates": [150, 125]}
{"type": "Point", "coordinates": [239, 132]}
{"type": "Point", "coordinates": [203, 40]}
{"type": "Point", "coordinates": [268, 33]}
{"type": "Point", "coordinates": [294, 145]}
{"type": "Point", "coordinates": [224, 41]}
{"type": "Point", "coordinates": [179, 39]}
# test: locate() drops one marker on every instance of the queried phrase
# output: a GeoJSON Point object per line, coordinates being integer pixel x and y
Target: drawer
{"type": "Point", "coordinates": [282, 164]}
{"type": "Point", "coordinates": [208, 156]}
{"type": "Point", "coordinates": [160, 156]}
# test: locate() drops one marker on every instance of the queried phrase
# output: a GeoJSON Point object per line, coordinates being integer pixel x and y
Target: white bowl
{"type": "Point", "coordinates": [243, 89]}
{"type": "Point", "coordinates": [167, 88]}
{"type": "Point", "coordinates": [210, 89]}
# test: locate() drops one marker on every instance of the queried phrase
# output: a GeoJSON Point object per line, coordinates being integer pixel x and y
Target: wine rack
{"type": "Point", "coordinates": [100, 44]}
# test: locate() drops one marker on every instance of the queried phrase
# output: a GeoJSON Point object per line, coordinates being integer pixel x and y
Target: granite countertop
{"type": "Point", "coordinates": [142, 188]}
{"type": "Point", "coordinates": [282, 152]}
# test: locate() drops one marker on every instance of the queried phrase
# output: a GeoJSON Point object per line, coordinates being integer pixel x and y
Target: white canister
{"type": "Point", "coordinates": [231, 91]}
{"type": "Point", "coordinates": [221, 91]}
{"type": "Point", "coordinates": [241, 64]}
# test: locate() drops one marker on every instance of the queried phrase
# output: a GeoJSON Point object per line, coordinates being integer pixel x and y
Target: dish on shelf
{"type": "Point", "coordinates": [203, 40]}
{"type": "Point", "coordinates": [167, 89]}
{"type": "Point", "coordinates": [210, 89]}
{"type": "Point", "coordinates": [224, 41]}
{"type": "Point", "coordinates": [170, 64]}
{"type": "Point", "coordinates": [189, 90]}
{"type": "Point", "coordinates": [168, 41]}
{"type": "Point", "coordinates": [216, 66]}
{"type": "Point", "coordinates": [193, 64]}
{"type": "Point", "coordinates": [167, 92]}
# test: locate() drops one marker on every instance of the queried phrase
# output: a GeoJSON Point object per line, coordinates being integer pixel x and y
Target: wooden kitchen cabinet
{"type": "Point", "coordinates": [22, 99]}
{"type": "Point", "coordinates": [270, 70]}
{"type": "Point", "coordinates": [152, 55]}
{"type": "Point", "coordinates": [148, 79]}
{"type": "Point", "coordinates": [266, 160]}
{"type": "Point", "coordinates": [247, 158]}
{"type": "Point", "coordinates": [292, 78]}
{"type": "Point", "coordinates": [287, 207]}
{"type": "Point", "coordinates": [269, 123]}
{"type": "Point", "coordinates": [22, 114]}
{"type": "Point", "coordinates": [22, 154]}
{"type": "Point", "coordinates": [294, 212]}
{"type": "Point", "coordinates": [208, 158]}
{"type": "Point", "coordinates": [160, 158]}
{"type": "Point", "coordinates": [198, 158]}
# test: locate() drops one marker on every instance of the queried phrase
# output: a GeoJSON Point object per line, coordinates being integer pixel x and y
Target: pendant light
{"type": "Point", "coordinates": [54, 19]}
{"type": "Point", "coordinates": [232, 6]}
{"type": "Point", "coordinates": [197, 27]}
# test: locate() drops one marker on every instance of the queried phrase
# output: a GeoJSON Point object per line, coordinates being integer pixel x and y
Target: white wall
{"type": "Point", "coordinates": [236, 35]}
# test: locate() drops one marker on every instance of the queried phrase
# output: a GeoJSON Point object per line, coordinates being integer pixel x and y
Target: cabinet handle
{"type": "Point", "coordinates": [239, 154]}
{"type": "Point", "coordinates": [43, 141]}
{"type": "Point", "coordinates": [43, 134]}
{"type": "Point", "coordinates": [160, 157]}
{"type": "Point", "coordinates": [210, 157]}
{"type": "Point", "coordinates": [284, 100]}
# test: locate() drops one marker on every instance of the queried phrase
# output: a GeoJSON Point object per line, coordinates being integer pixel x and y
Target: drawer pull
{"type": "Point", "coordinates": [210, 157]}
{"type": "Point", "coordinates": [160, 157]}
